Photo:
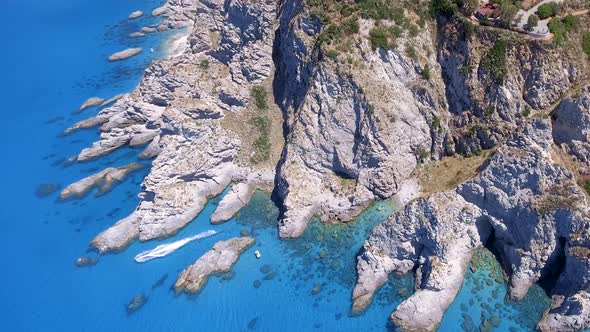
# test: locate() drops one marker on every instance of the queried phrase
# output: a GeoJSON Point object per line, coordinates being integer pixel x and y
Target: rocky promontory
{"type": "Point", "coordinates": [218, 260]}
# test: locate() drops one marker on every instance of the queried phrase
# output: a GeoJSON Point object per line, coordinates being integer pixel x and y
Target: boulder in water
{"type": "Point", "coordinates": [135, 14]}
{"type": "Point", "coordinates": [46, 189]}
{"type": "Point", "coordinates": [91, 102]}
{"type": "Point", "coordinates": [136, 303]}
{"type": "Point", "coordinates": [125, 54]}
{"type": "Point", "coordinates": [86, 261]}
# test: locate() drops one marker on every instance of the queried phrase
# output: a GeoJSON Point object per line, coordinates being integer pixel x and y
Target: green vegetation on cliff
{"type": "Point", "coordinates": [261, 122]}
{"type": "Point", "coordinates": [494, 61]}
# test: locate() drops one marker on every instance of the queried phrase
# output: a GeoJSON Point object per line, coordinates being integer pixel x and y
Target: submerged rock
{"type": "Point", "coordinates": [125, 54]}
{"type": "Point", "coordinates": [86, 261]}
{"type": "Point", "coordinates": [91, 102]}
{"type": "Point", "coordinates": [160, 281]}
{"type": "Point", "coordinates": [218, 260]}
{"type": "Point", "coordinates": [317, 288]}
{"type": "Point", "coordinates": [136, 34]}
{"type": "Point", "coordinates": [46, 189]}
{"type": "Point", "coordinates": [136, 303]}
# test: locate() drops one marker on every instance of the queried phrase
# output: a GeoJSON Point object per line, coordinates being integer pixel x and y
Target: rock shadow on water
{"type": "Point", "coordinates": [160, 282]}
{"type": "Point", "coordinates": [252, 323]}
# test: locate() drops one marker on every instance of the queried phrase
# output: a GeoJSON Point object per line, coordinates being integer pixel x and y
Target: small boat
{"type": "Point", "coordinates": [257, 254]}
{"type": "Point", "coordinates": [151, 50]}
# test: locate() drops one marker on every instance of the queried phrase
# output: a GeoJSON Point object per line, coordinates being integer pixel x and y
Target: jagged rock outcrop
{"type": "Point", "coordinates": [219, 259]}
{"type": "Point", "coordinates": [571, 127]}
{"type": "Point", "coordinates": [437, 234]}
{"type": "Point", "coordinates": [526, 199]}
{"type": "Point", "coordinates": [354, 134]}
{"type": "Point", "coordinates": [103, 180]}
{"type": "Point", "coordinates": [488, 99]}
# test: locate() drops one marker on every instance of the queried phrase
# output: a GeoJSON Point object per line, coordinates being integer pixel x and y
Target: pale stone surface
{"type": "Point", "coordinates": [125, 54]}
{"type": "Point", "coordinates": [91, 102]}
{"type": "Point", "coordinates": [103, 180]}
{"type": "Point", "coordinates": [238, 197]}
{"type": "Point", "coordinates": [135, 14]}
{"type": "Point", "coordinates": [218, 260]}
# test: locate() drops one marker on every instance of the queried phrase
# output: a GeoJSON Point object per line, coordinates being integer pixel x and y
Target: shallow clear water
{"type": "Point", "coordinates": [54, 58]}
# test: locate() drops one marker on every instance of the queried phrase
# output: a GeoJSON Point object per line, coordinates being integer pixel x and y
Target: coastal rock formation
{"type": "Point", "coordinates": [103, 180]}
{"type": "Point", "coordinates": [91, 102]}
{"type": "Point", "coordinates": [125, 54]}
{"type": "Point", "coordinates": [353, 135]}
{"type": "Point", "coordinates": [136, 34]}
{"type": "Point", "coordinates": [135, 14]}
{"type": "Point", "coordinates": [178, 109]}
{"type": "Point", "coordinates": [238, 197]}
{"type": "Point", "coordinates": [524, 204]}
{"type": "Point", "coordinates": [218, 260]}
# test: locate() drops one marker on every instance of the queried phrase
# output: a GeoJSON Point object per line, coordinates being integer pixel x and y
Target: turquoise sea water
{"type": "Point", "coordinates": [54, 58]}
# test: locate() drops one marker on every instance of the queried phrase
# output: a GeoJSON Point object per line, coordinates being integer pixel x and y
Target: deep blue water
{"type": "Point", "coordinates": [53, 58]}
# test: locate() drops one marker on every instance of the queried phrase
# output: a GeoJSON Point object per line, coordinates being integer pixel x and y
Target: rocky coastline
{"type": "Point", "coordinates": [355, 127]}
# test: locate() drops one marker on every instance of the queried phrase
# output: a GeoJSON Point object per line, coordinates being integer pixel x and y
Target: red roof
{"type": "Point", "coordinates": [491, 9]}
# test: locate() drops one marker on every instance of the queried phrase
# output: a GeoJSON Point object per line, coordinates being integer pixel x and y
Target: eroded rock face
{"type": "Point", "coordinates": [218, 260]}
{"type": "Point", "coordinates": [353, 135]}
{"type": "Point", "coordinates": [531, 205]}
{"type": "Point", "coordinates": [486, 109]}
{"type": "Point", "coordinates": [438, 235]}
{"type": "Point", "coordinates": [571, 127]}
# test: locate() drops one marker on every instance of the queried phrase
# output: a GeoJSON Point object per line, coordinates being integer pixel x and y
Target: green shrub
{"type": "Point", "coordinates": [426, 72]}
{"type": "Point", "coordinates": [442, 7]}
{"type": "Point", "coordinates": [557, 28]}
{"type": "Point", "coordinates": [586, 43]}
{"type": "Point", "coordinates": [261, 121]}
{"type": "Point", "coordinates": [378, 38]}
{"type": "Point", "coordinates": [411, 52]}
{"type": "Point", "coordinates": [351, 26]}
{"type": "Point", "coordinates": [570, 22]}
{"type": "Point", "coordinates": [548, 10]}
{"type": "Point", "coordinates": [494, 61]}
{"type": "Point", "coordinates": [204, 64]}
{"type": "Point", "coordinates": [423, 154]}
{"type": "Point", "coordinates": [332, 54]}
{"type": "Point", "coordinates": [508, 11]}
{"type": "Point", "coordinates": [436, 122]}
{"type": "Point", "coordinates": [378, 9]}
{"type": "Point", "coordinates": [532, 22]}
{"type": "Point", "coordinates": [260, 98]}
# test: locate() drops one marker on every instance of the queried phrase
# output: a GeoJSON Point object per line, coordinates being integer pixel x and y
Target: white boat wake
{"type": "Point", "coordinates": [167, 249]}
